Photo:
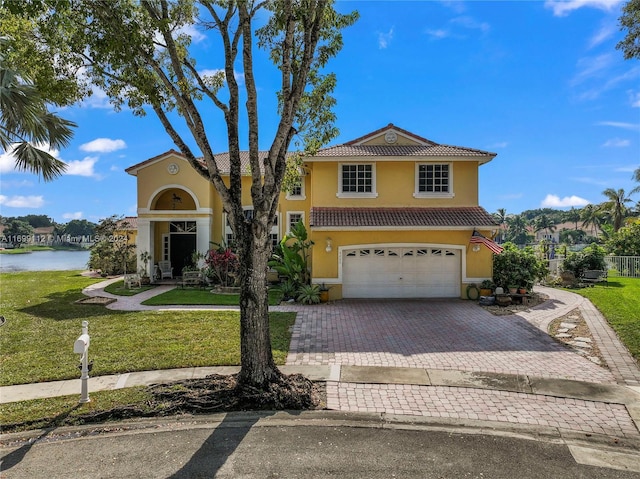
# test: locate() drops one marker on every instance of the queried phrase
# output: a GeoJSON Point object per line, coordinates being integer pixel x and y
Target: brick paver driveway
{"type": "Point", "coordinates": [437, 334]}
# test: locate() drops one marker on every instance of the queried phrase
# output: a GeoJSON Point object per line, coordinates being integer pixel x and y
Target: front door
{"type": "Point", "coordinates": [182, 247]}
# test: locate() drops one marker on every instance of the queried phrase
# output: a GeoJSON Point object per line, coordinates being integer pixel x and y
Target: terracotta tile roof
{"type": "Point", "coordinates": [131, 223]}
{"type": "Point", "coordinates": [390, 126]}
{"type": "Point", "coordinates": [221, 158]}
{"type": "Point", "coordinates": [44, 230]}
{"type": "Point", "coordinates": [400, 150]}
{"type": "Point", "coordinates": [224, 161]}
{"type": "Point", "coordinates": [474, 216]}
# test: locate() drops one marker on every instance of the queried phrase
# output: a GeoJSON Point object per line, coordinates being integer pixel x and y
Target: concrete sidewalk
{"type": "Point", "coordinates": [606, 410]}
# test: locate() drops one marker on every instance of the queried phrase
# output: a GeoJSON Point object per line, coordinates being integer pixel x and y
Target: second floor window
{"type": "Point", "coordinates": [433, 178]}
{"type": "Point", "coordinates": [297, 191]}
{"type": "Point", "coordinates": [357, 179]}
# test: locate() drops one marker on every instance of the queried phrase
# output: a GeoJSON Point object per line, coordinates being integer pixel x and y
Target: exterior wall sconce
{"type": "Point", "coordinates": [329, 246]}
{"type": "Point", "coordinates": [475, 248]}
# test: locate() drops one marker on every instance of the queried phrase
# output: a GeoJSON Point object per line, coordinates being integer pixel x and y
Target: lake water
{"type": "Point", "coordinates": [44, 261]}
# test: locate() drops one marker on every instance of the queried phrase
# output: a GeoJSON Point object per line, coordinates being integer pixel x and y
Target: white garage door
{"type": "Point", "coordinates": [401, 273]}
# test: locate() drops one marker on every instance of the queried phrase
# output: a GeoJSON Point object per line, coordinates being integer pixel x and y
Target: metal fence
{"type": "Point", "coordinates": [627, 266]}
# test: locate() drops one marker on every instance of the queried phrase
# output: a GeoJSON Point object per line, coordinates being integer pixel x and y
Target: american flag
{"type": "Point", "coordinates": [479, 239]}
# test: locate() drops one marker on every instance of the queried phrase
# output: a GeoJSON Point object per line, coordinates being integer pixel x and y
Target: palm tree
{"type": "Point", "coordinates": [543, 222]}
{"type": "Point", "coordinates": [517, 231]}
{"type": "Point", "coordinates": [501, 218]}
{"type": "Point", "coordinates": [26, 125]}
{"type": "Point", "coordinates": [616, 206]}
{"type": "Point", "coordinates": [591, 215]}
{"type": "Point", "coordinates": [573, 215]}
{"type": "Point", "coordinates": [636, 178]}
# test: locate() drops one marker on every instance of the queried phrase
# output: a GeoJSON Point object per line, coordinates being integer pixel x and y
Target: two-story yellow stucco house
{"type": "Point", "coordinates": [391, 215]}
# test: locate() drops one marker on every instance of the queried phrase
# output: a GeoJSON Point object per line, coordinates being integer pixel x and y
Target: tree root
{"type": "Point", "coordinates": [215, 393]}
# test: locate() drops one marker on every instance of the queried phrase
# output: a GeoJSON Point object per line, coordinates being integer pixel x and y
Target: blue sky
{"type": "Point", "coordinates": [540, 83]}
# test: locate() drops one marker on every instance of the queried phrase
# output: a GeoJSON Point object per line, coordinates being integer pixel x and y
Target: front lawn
{"type": "Point", "coordinates": [43, 321]}
{"type": "Point", "coordinates": [619, 302]}
{"type": "Point", "coordinates": [203, 297]}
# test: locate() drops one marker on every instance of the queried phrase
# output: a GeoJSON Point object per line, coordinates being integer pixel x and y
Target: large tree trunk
{"type": "Point", "coordinates": [258, 367]}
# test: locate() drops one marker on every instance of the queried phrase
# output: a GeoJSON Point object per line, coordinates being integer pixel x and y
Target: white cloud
{"type": "Point", "coordinates": [564, 7]}
{"type": "Point", "coordinates": [384, 39]}
{"type": "Point", "coordinates": [499, 144]}
{"type": "Point", "coordinates": [196, 35]}
{"type": "Point", "coordinates": [607, 30]}
{"type": "Point", "coordinates": [471, 23]}
{"type": "Point", "coordinates": [634, 97]}
{"type": "Point", "coordinates": [554, 201]}
{"type": "Point", "coordinates": [590, 181]}
{"type": "Point", "coordinates": [455, 5]}
{"type": "Point", "coordinates": [103, 145]}
{"type": "Point", "coordinates": [620, 124]}
{"type": "Point", "coordinates": [22, 201]}
{"type": "Point", "coordinates": [8, 162]}
{"type": "Point", "coordinates": [439, 33]}
{"type": "Point", "coordinates": [455, 25]}
{"type": "Point", "coordinates": [590, 67]}
{"type": "Point", "coordinates": [18, 184]}
{"type": "Point", "coordinates": [82, 167]}
{"type": "Point", "coordinates": [616, 143]}
{"type": "Point", "coordinates": [626, 169]}
{"type": "Point", "coordinates": [72, 216]}
{"type": "Point", "coordinates": [97, 99]}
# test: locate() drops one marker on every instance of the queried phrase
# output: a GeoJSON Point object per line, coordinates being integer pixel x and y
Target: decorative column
{"type": "Point", "coordinates": [145, 242]}
{"type": "Point", "coordinates": [203, 235]}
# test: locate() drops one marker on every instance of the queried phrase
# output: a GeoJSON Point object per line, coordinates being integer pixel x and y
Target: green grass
{"type": "Point", "coordinates": [65, 410]}
{"type": "Point", "coordinates": [31, 248]}
{"type": "Point", "coordinates": [202, 297]}
{"type": "Point", "coordinates": [619, 302]}
{"type": "Point", "coordinates": [26, 249]}
{"type": "Point", "coordinates": [43, 321]}
{"type": "Point", "coordinates": [118, 289]}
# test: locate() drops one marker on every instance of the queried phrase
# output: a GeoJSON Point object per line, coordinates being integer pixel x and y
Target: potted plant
{"type": "Point", "coordinates": [513, 289]}
{"type": "Point", "coordinates": [324, 293]}
{"type": "Point", "coordinates": [486, 287]}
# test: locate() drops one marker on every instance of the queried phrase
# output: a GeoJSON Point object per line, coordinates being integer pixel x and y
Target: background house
{"type": "Point", "coordinates": [391, 214]}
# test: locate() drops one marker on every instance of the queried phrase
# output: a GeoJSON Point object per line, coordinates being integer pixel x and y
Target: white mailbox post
{"type": "Point", "coordinates": [81, 346]}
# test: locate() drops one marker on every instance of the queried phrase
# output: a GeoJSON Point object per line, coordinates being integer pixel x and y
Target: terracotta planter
{"type": "Point", "coordinates": [522, 291]}
{"type": "Point", "coordinates": [324, 296]}
{"type": "Point", "coordinates": [485, 292]}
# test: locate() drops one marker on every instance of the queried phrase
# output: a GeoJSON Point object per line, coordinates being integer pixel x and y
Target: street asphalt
{"type": "Point", "coordinates": [307, 445]}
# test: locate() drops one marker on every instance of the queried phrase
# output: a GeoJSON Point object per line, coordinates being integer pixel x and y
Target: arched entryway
{"type": "Point", "coordinates": [176, 227]}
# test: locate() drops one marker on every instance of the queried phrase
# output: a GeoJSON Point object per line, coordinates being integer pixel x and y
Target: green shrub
{"type": "Point", "coordinates": [309, 294]}
{"type": "Point", "coordinates": [517, 267]}
{"type": "Point", "coordinates": [592, 257]}
{"type": "Point", "coordinates": [291, 258]}
{"type": "Point", "coordinates": [626, 241]}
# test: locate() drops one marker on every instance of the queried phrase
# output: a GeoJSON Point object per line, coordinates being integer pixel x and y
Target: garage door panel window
{"type": "Point", "coordinates": [401, 273]}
